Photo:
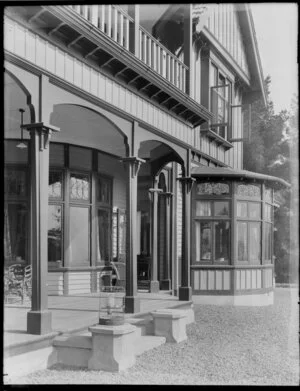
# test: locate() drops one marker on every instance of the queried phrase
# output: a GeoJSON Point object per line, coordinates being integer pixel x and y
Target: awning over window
{"type": "Point", "coordinates": [222, 172]}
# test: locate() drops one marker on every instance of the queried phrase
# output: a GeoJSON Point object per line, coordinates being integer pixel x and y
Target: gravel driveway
{"type": "Point", "coordinates": [225, 346]}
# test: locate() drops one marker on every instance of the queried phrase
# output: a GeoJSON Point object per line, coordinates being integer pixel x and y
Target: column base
{"type": "Point", "coordinates": [185, 293]}
{"type": "Point", "coordinates": [132, 304]}
{"type": "Point", "coordinates": [39, 322]}
{"type": "Point", "coordinates": [154, 286]}
{"type": "Point", "coordinates": [165, 285]}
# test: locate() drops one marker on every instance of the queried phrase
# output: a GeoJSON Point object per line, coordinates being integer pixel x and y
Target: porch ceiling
{"type": "Point", "coordinates": [60, 25]}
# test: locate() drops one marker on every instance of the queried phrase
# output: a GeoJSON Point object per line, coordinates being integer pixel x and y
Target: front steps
{"type": "Point", "coordinates": [74, 348]}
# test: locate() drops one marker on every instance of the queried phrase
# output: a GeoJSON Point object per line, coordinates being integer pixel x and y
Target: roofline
{"type": "Point", "coordinates": [221, 172]}
{"type": "Point", "coordinates": [251, 28]}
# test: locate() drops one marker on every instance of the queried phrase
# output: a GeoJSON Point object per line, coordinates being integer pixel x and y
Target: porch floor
{"type": "Point", "coordinates": [71, 314]}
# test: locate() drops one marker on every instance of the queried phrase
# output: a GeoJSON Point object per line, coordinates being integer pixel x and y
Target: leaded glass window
{"type": "Point", "coordinates": [213, 188]}
{"type": "Point", "coordinates": [242, 241]}
{"type": "Point", "coordinates": [55, 184]}
{"type": "Point", "coordinates": [79, 187]}
{"type": "Point", "coordinates": [249, 190]}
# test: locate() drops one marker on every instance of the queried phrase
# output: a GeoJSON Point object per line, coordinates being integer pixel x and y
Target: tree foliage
{"type": "Point", "coordinates": [271, 151]}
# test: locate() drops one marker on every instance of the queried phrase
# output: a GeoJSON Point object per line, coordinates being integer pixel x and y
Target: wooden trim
{"type": "Point", "coordinates": [109, 107]}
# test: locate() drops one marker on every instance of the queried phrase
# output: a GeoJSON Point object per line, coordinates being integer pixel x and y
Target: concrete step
{"type": "Point", "coordinates": [148, 342]}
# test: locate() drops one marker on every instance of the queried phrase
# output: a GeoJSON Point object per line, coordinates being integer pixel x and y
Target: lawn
{"type": "Point", "coordinates": [226, 346]}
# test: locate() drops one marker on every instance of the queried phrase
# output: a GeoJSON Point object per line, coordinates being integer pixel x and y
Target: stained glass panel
{"type": "Point", "coordinates": [249, 191]}
{"type": "Point", "coordinates": [79, 187]}
{"type": "Point", "coordinates": [215, 188]}
{"type": "Point", "coordinates": [55, 184]}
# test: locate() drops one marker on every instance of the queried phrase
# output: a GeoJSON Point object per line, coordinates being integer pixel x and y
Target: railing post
{"type": "Point", "coordinates": [134, 36]}
{"type": "Point", "coordinates": [188, 48]}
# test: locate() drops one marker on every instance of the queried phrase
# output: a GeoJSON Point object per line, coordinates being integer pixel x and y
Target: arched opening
{"type": "Point", "coordinates": [154, 221]}
{"type": "Point", "coordinates": [16, 171]}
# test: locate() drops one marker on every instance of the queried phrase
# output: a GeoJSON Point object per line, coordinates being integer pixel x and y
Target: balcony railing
{"type": "Point", "coordinates": [115, 23]}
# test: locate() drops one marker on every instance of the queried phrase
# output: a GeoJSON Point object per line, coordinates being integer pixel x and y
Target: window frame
{"type": "Point", "coordinates": [212, 219]}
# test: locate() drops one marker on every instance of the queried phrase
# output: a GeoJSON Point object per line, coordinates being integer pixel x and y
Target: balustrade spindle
{"type": "Point", "coordinates": [158, 59]}
{"type": "Point", "coordinates": [153, 48]}
{"type": "Point", "coordinates": [115, 25]}
{"type": "Point", "coordinates": [149, 44]}
{"type": "Point", "coordinates": [85, 11]}
{"type": "Point", "coordinates": [127, 34]}
{"type": "Point", "coordinates": [102, 17]}
{"type": "Point", "coordinates": [94, 15]}
{"type": "Point", "coordinates": [108, 32]}
{"type": "Point", "coordinates": [145, 49]}
{"type": "Point", "coordinates": [121, 35]}
{"type": "Point", "coordinates": [168, 67]}
{"type": "Point", "coordinates": [77, 8]}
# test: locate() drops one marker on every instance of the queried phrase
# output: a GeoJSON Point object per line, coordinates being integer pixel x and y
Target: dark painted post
{"type": "Point", "coordinates": [39, 318]}
{"type": "Point", "coordinates": [185, 290]}
{"type": "Point", "coordinates": [132, 303]}
{"type": "Point", "coordinates": [166, 283]}
{"type": "Point", "coordinates": [154, 284]}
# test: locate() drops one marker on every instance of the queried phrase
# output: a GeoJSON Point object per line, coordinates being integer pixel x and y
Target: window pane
{"type": "Point", "coordinates": [222, 241]}
{"type": "Point", "coordinates": [255, 242]}
{"type": "Point", "coordinates": [79, 187]}
{"type": "Point", "coordinates": [221, 208]}
{"type": "Point", "coordinates": [268, 212]}
{"type": "Point", "coordinates": [254, 210]}
{"type": "Point", "coordinates": [104, 190]}
{"type": "Point", "coordinates": [55, 184]}
{"type": "Point", "coordinates": [203, 208]}
{"type": "Point", "coordinates": [205, 241]}
{"type": "Point", "coordinates": [54, 233]}
{"type": "Point", "coordinates": [242, 241]}
{"type": "Point", "coordinates": [15, 232]}
{"type": "Point", "coordinates": [15, 182]}
{"type": "Point", "coordinates": [13, 154]}
{"type": "Point", "coordinates": [79, 236]}
{"type": "Point", "coordinates": [241, 209]}
{"type": "Point", "coordinates": [268, 243]}
{"type": "Point", "coordinates": [268, 195]}
{"type": "Point", "coordinates": [103, 235]}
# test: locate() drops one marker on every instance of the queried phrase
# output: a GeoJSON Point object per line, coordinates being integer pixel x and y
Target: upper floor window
{"type": "Point", "coordinates": [220, 101]}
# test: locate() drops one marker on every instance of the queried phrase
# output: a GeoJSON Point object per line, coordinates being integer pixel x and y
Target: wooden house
{"type": "Point", "coordinates": [132, 121]}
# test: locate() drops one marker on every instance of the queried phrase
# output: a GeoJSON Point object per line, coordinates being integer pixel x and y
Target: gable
{"type": "Point", "coordinates": [223, 23]}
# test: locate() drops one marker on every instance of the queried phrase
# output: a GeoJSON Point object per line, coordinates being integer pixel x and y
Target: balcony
{"type": "Point", "coordinates": [107, 38]}
{"type": "Point", "coordinates": [115, 23]}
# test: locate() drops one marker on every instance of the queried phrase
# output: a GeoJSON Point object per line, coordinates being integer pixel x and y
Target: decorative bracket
{"type": "Point", "coordinates": [135, 163]}
{"type": "Point", "coordinates": [152, 191]}
{"type": "Point", "coordinates": [188, 181]}
{"type": "Point", "coordinates": [44, 132]}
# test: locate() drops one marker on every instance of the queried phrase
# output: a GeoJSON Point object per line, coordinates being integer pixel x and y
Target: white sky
{"type": "Point", "coordinates": [276, 26]}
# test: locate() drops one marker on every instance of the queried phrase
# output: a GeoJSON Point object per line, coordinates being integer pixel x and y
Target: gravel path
{"type": "Point", "coordinates": [225, 346]}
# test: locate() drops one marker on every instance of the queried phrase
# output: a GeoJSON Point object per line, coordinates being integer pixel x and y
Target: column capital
{"type": "Point", "coordinates": [133, 161]}
{"type": "Point", "coordinates": [188, 181]}
{"type": "Point", "coordinates": [43, 130]}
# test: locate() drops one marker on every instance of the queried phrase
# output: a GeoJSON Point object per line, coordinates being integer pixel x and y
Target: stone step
{"type": "Point", "coordinates": [148, 342]}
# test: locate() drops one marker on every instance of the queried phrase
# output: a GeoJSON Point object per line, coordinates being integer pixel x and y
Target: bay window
{"type": "Point", "coordinates": [252, 204]}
